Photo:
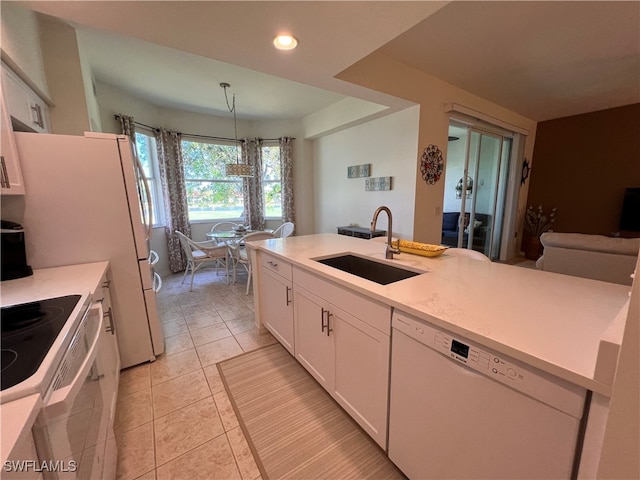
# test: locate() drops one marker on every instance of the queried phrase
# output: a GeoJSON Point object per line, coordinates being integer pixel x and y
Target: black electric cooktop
{"type": "Point", "coordinates": [28, 331]}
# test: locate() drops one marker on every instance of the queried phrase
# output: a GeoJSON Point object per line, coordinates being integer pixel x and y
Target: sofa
{"type": "Point", "coordinates": [609, 259]}
{"type": "Point", "coordinates": [450, 229]}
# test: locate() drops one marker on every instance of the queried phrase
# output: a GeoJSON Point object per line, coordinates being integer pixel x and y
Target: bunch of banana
{"type": "Point", "coordinates": [417, 248]}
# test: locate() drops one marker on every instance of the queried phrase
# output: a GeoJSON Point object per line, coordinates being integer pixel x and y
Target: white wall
{"type": "Point", "coordinates": [621, 448]}
{"type": "Point", "coordinates": [384, 74]}
{"type": "Point", "coordinates": [389, 145]}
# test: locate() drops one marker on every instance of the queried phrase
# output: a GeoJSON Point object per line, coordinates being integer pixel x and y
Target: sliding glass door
{"type": "Point", "coordinates": [477, 199]}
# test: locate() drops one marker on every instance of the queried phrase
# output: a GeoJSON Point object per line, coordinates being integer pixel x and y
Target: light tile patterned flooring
{"type": "Point", "coordinates": [173, 417]}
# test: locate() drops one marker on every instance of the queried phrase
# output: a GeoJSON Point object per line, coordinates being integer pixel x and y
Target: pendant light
{"type": "Point", "coordinates": [237, 169]}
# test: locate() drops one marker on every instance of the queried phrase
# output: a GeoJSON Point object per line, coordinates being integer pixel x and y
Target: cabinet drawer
{"type": "Point", "coordinates": [276, 265]}
{"type": "Point", "coordinates": [369, 311]}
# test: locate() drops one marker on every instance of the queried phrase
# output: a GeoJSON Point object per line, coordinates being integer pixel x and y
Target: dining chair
{"type": "Point", "coordinates": [221, 227]}
{"type": "Point", "coordinates": [238, 255]}
{"type": "Point", "coordinates": [284, 230]}
{"type": "Point", "coordinates": [200, 253]}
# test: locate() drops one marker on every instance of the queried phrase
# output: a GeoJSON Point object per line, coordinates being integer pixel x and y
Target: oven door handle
{"type": "Point", "coordinates": [62, 400]}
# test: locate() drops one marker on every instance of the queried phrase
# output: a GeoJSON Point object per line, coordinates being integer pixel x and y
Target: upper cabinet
{"type": "Point", "coordinates": [10, 172]}
{"type": "Point", "coordinates": [28, 111]}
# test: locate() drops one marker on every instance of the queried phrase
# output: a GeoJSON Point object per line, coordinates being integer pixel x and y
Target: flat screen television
{"type": "Point", "coordinates": [630, 216]}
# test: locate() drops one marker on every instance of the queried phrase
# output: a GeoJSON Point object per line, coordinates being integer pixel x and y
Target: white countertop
{"type": "Point", "coordinates": [550, 321]}
{"type": "Point", "coordinates": [20, 404]}
{"type": "Point", "coordinates": [52, 282]}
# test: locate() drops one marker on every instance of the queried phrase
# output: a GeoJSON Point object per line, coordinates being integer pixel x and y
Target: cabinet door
{"type": "Point", "coordinates": [362, 373]}
{"type": "Point", "coordinates": [23, 451]}
{"type": "Point", "coordinates": [109, 350]}
{"type": "Point", "coordinates": [314, 336]}
{"type": "Point", "coordinates": [23, 104]}
{"type": "Point", "coordinates": [10, 172]}
{"type": "Point", "coordinates": [277, 308]}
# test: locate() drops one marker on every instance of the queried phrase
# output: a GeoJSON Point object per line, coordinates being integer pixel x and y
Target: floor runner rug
{"type": "Point", "coordinates": [294, 428]}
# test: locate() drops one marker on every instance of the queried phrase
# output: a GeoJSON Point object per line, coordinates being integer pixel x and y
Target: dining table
{"type": "Point", "coordinates": [233, 236]}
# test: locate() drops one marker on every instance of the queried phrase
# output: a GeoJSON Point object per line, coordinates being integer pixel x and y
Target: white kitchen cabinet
{"type": "Point", "coordinates": [336, 341]}
{"type": "Point", "coordinates": [109, 351]}
{"type": "Point", "coordinates": [28, 110]}
{"type": "Point", "coordinates": [361, 373]}
{"type": "Point", "coordinates": [10, 172]}
{"type": "Point", "coordinates": [277, 308]}
{"type": "Point", "coordinates": [313, 340]}
{"type": "Point", "coordinates": [18, 466]}
{"type": "Point", "coordinates": [277, 299]}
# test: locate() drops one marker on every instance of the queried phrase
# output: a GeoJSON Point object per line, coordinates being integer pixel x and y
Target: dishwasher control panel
{"type": "Point", "coordinates": [521, 377]}
{"type": "Point", "coordinates": [474, 357]}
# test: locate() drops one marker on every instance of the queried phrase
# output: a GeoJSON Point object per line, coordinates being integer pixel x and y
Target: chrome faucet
{"type": "Point", "coordinates": [388, 253]}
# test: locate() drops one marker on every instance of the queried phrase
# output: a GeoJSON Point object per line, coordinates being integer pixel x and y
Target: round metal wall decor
{"type": "Point", "coordinates": [431, 164]}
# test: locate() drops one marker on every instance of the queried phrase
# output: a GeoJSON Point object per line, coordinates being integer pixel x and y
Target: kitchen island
{"type": "Point", "coordinates": [552, 337]}
{"type": "Point", "coordinates": [549, 321]}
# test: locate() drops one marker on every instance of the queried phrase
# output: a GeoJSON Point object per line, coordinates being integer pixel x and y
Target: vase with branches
{"type": "Point", "coordinates": [536, 222]}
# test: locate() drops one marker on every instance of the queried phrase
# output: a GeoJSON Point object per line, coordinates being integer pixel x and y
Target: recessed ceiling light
{"type": "Point", "coordinates": [285, 42]}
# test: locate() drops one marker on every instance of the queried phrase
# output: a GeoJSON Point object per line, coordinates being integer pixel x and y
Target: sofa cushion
{"type": "Point", "coordinates": [593, 243]}
{"type": "Point", "coordinates": [450, 221]}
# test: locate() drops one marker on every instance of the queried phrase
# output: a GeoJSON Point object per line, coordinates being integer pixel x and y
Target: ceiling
{"type": "Point", "coordinates": [543, 60]}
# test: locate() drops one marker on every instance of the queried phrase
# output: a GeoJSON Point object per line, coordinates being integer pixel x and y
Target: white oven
{"type": "Point", "coordinates": [75, 426]}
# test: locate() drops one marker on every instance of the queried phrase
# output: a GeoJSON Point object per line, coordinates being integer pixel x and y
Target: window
{"type": "Point", "coordinates": [148, 155]}
{"type": "Point", "coordinates": [271, 181]}
{"type": "Point", "coordinates": [210, 194]}
{"type": "Point", "coordinates": [213, 196]}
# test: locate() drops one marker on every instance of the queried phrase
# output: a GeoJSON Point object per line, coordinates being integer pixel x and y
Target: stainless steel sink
{"type": "Point", "coordinates": [381, 273]}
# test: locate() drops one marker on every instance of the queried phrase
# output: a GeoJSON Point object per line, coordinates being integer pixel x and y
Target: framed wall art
{"type": "Point", "coordinates": [377, 183]}
{"type": "Point", "coordinates": [358, 171]}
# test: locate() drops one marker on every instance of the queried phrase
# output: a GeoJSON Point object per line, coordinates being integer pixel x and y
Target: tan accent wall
{"type": "Point", "coordinates": [582, 164]}
{"type": "Point", "coordinates": [69, 114]}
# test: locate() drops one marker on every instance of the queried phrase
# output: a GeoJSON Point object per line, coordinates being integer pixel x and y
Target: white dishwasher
{"type": "Point", "coordinates": [458, 410]}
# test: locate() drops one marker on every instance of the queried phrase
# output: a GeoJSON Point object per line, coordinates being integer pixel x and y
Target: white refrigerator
{"type": "Point", "coordinates": [82, 205]}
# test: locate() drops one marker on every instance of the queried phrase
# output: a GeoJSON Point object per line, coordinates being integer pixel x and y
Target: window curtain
{"type": "Point", "coordinates": [174, 194]}
{"type": "Point", "coordinates": [127, 127]}
{"type": "Point", "coordinates": [252, 186]}
{"type": "Point", "coordinates": [286, 176]}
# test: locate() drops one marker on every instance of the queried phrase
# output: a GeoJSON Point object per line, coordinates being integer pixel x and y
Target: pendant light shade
{"type": "Point", "coordinates": [237, 169]}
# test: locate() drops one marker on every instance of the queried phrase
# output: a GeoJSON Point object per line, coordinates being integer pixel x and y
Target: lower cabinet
{"type": "Point", "coordinates": [277, 307]}
{"type": "Point", "coordinates": [315, 346]}
{"type": "Point", "coordinates": [347, 356]}
{"type": "Point", "coordinates": [340, 337]}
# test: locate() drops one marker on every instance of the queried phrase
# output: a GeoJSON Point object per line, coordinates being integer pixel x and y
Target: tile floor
{"type": "Point", "coordinates": [173, 417]}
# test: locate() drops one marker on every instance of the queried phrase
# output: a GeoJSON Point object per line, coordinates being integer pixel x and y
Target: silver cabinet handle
{"type": "Point", "coordinates": [274, 265]}
{"type": "Point", "coordinates": [329, 329]}
{"type": "Point", "coordinates": [4, 176]}
{"type": "Point", "coordinates": [322, 318]}
{"type": "Point", "coordinates": [39, 120]}
{"type": "Point", "coordinates": [288, 298]}
{"type": "Point", "coordinates": [106, 284]}
{"type": "Point", "coordinates": [110, 328]}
